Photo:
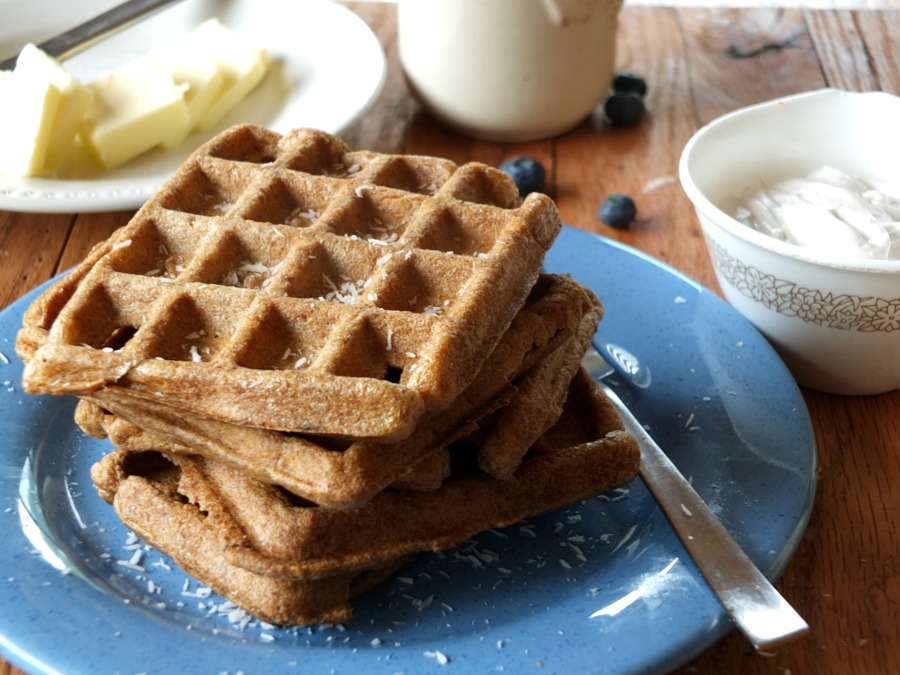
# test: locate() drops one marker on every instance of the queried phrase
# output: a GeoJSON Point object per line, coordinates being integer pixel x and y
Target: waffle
{"type": "Point", "coordinates": [536, 389]}
{"type": "Point", "coordinates": [150, 504]}
{"type": "Point", "coordinates": [262, 529]}
{"type": "Point", "coordinates": [289, 283]}
{"type": "Point", "coordinates": [425, 474]}
{"type": "Point", "coordinates": [534, 405]}
{"type": "Point", "coordinates": [345, 474]}
{"type": "Point", "coordinates": [537, 404]}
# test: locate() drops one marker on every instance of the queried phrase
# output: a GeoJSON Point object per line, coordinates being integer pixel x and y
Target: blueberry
{"type": "Point", "coordinates": [626, 81]}
{"type": "Point", "coordinates": [527, 172]}
{"type": "Point", "coordinates": [624, 108]}
{"type": "Point", "coordinates": [617, 211]}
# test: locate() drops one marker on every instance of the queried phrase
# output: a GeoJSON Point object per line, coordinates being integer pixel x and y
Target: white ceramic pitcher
{"type": "Point", "coordinates": [509, 70]}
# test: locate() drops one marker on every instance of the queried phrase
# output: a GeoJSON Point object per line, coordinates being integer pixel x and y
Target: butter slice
{"type": "Point", "coordinates": [136, 107]}
{"type": "Point", "coordinates": [200, 76]}
{"type": "Point", "coordinates": [27, 112]}
{"type": "Point", "coordinates": [74, 102]}
{"type": "Point", "coordinates": [243, 64]}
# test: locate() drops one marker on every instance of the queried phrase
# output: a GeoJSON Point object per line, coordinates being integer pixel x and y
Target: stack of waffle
{"type": "Point", "coordinates": [313, 363]}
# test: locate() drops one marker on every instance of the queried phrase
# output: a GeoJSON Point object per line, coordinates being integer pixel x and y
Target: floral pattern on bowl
{"type": "Point", "coordinates": [847, 312]}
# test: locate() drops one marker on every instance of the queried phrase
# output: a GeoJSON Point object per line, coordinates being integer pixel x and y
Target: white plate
{"type": "Point", "coordinates": [328, 70]}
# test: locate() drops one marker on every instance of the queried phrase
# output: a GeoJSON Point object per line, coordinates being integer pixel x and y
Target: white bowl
{"type": "Point", "coordinates": [835, 321]}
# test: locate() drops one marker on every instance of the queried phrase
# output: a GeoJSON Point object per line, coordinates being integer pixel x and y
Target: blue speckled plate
{"type": "Point", "coordinates": [602, 587]}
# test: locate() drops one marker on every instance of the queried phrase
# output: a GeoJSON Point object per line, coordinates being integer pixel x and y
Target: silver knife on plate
{"type": "Point", "coordinates": [93, 31]}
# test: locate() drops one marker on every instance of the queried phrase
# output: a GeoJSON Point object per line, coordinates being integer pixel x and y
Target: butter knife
{"type": "Point", "coordinates": [93, 31]}
{"type": "Point", "coordinates": [749, 598]}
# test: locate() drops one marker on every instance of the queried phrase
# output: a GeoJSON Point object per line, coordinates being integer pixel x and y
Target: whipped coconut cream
{"type": "Point", "coordinates": [828, 211]}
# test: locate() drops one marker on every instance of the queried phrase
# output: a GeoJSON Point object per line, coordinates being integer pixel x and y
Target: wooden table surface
{"type": "Point", "coordinates": [700, 62]}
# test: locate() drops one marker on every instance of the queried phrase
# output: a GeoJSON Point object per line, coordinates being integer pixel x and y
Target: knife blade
{"type": "Point", "coordinates": [748, 597]}
{"type": "Point", "coordinates": [91, 32]}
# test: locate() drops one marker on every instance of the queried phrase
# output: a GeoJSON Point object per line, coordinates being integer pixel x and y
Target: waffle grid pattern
{"type": "Point", "coordinates": [344, 474]}
{"type": "Point", "coordinates": [329, 264]}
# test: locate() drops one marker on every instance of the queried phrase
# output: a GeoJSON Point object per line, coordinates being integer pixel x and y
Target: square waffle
{"type": "Point", "coordinates": [314, 363]}
{"type": "Point", "coordinates": [344, 474]}
{"type": "Point", "coordinates": [257, 529]}
{"type": "Point", "coordinates": [289, 283]}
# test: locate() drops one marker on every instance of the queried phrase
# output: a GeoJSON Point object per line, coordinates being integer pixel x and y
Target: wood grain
{"type": "Point", "coordinates": [30, 249]}
{"type": "Point", "coordinates": [700, 62]}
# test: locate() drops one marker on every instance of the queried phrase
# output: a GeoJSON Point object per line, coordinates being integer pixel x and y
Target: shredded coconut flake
{"type": "Point", "coordinates": [657, 183]}
{"type": "Point", "coordinates": [133, 563]}
{"type": "Point", "coordinates": [305, 214]}
{"type": "Point", "coordinates": [440, 657]}
{"type": "Point", "coordinates": [578, 552]}
{"type": "Point", "coordinates": [381, 241]}
{"type": "Point", "coordinates": [346, 293]}
{"type": "Point", "coordinates": [202, 592]}
{"type": "Point", "coordinates": [254, 268]}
